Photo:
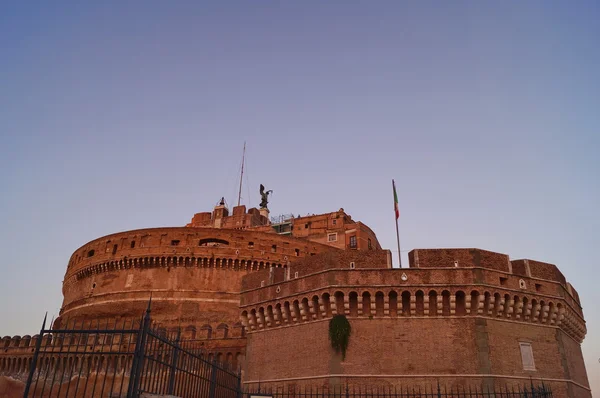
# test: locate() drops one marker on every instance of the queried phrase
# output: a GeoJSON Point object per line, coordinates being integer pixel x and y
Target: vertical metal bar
{"type": "Point", "coordinates": [213, 379]}
{"type": "Point", "coordinates": [36, 354]}
{"type": "Point", "coordinates": [91, 358]}
{"type": "Point", "coordinates": [174, 359]}
{"type": "Point", "coordinates": [73, 364]}
{"type": "Point", "coordinates": [82, 357]}
{"type": "Point", "coordinates": [132, 391]}
{"type": "Point", "coordinates": [189, 363]}
{"type": "Point", "coordinates": [57, 367]}
{"type": "Point", "coordinates": [197, 365]}
{"type": "Point", "coordinates": [117, 360]}
{"type": "Point", "coordinates": [130, 334]}
{"type": "Point", "coordinates": [165, 352]}
{"type": "Point", "coordinates": [106, 372]}
{"type": "Point", "coordinates": [151, 354]}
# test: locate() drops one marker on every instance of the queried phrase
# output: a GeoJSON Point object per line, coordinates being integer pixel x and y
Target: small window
{"type": "Point", "coordinates": [94, 285]}
{"type": "Point", "coordinates": [175, 243]}
{"type": "Point", "coordinates": [296, 274]}
{"type": "Point", "coordinates": [132, 244]}
{"type": "Point", "coordinates": [522, 284]}
{"type": "Point", "coordinates": [353, 242]}
{"type": "Point", "coordinates": [262, 283]}
{"type": "Point", "coordinates": [250, 245]}
{"type": "Point", "coordinates": [332, 237]}
{"type": "Point", "coordinates": [370, 245]}
{"type": "Point", "coordinates": [352, 265]}
{"type": "Point", "coordinates": [273, 248]}
{"type": "Point", "coordinates": [334, 221]}
{"type": "Point", "coordinates": [527, 356]}
{"type": "Point", "coordinates": [306, 225]}
{"type": "Point", "coordinates": [91, 253]}
{"type": "Point", "coordinates": [538, 287]}
{"type": "Point", "coordinates": [297, 252]}
{"type": "Point", "coordinates": [503, 281]}
{"type": "Point", "coordinates": [115, 247]}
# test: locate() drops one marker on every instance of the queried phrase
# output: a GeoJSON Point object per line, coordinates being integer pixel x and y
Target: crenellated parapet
{"type": "Point", "coordinates": [384, 299]}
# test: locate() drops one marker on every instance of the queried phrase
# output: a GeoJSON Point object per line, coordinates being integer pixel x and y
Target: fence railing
{"type": "Point", "coordinates": [126, 360]}
{"type": "Point", "coordinates": [133, 359]}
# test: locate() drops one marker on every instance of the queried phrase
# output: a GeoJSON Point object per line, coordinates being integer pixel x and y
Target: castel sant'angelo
{"type": "Point", "coordinates": [258, 292]}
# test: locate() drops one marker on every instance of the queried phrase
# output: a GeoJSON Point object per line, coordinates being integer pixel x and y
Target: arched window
{"type": "Point", "coordinates": [405, 303]}
{"type": "Point", "coordinates": [353, 301]}
{"type": "Point", "coordinates": [393, 297]}
{"type": "Point", "coordinates": [296, 307]}
{"type": "Point", "coordinates": [222, 330]}
{"type": "Point", "coordinates": [327, 304]}
{"type": "Point", "coordinates": [379, 303]}
{"type": "Point", "coordinates": [213, 242]}
{"type": "Point", "coordinates": [460, 303]}
{"type": "Point", "coordinates": [433, 303]}
{"type": "Point", "coordinates": [420, 302]}
{"type": "Point", "coordinates": [316, 307]}
{"type": "Point", "coordinates": [339, 302]}
{"type": "Point", "coordinates": [445, 303]}
{"type": "Point", "coordinates": [474, 302]}
{"type": "Point", "coordinates": [366, 304]}
{"type": "Point", "coordinates": [206, 331]}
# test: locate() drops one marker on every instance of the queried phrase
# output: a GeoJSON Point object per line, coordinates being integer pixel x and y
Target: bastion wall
{"type": "Point", "coordinates": [462, 316]}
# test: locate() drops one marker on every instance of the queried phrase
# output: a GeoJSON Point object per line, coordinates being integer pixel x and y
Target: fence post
{"type": "Point", "coordinates": [174, 363]}
{"type": "Point", "coordinates": [213, 379]}
{"type": "Point", "coordinates": [138, 356]}
{"type": "Point", "coordinates": [239, 384]}
{"type": "Point", "coordinates": [38, 345]}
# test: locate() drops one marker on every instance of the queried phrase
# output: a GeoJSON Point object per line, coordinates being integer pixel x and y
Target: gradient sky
{"type": "Point", "coordinates": [121, 115]}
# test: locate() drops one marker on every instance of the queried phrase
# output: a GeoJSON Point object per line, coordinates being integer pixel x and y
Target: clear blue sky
{"type": "Point", "coordinates": [122, 115]}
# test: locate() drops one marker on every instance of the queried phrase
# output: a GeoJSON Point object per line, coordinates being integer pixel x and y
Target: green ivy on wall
{"type": "Point", "coordinates": [339, 334]}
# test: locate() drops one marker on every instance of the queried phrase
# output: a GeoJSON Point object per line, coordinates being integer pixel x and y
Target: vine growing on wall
{"type": "Point", "coordinates": [339, 334]}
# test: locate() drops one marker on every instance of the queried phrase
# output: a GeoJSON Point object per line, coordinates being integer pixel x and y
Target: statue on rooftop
{"type": "Point", "coordinates": [264, 196]}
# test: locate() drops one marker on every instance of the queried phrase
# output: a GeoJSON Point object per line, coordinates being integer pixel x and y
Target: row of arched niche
{"type": "Point", "coordinates": [200, 262]}
{"type": "Point", "coordinates": [419, 303]}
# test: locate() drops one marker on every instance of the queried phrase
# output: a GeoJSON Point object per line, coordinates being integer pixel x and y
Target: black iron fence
{"type": "Point", "coordinates": [425, 391]}
{"type": "Point", "coordinates": [126, 360]}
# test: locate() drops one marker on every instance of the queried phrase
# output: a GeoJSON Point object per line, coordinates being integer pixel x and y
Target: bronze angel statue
{"type": "Point", "coordinates": [264, 196]}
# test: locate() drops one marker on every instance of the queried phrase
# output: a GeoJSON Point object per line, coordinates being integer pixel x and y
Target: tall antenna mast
{"type": "Point", "coordinates": [242, 174]}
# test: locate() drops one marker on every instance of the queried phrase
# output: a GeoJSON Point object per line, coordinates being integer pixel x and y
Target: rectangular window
{"type": "Point", "coordinates": [332, 237]}
{"type": "Point", "coordinates": [353, 242]}
{"type": "Point", "coordinates": [334, 222]}
{"type": "Point", "coordinates": [273, 248]}
{"type": "Point", "coordinates": [370, 246]}
{"type": "Point", "coordinates": [527, 356]}
{"type": "Point", "coordinates": [174, 243]}
{"type": "Point", "coordinates": [132, 244]}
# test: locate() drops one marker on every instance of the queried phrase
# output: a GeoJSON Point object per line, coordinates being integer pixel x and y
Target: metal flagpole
{"type": "Point", "coordinates": [396, 218]}
{"type": "Point", "coordinates": [242, 174]}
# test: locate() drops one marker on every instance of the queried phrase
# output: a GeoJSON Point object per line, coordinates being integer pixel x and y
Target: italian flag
{"type": "Point", "coordinates": [395, 200]}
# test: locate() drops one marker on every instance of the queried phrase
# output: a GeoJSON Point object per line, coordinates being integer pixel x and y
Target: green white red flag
{"type": "Point", "coordinates": [395, 200]}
